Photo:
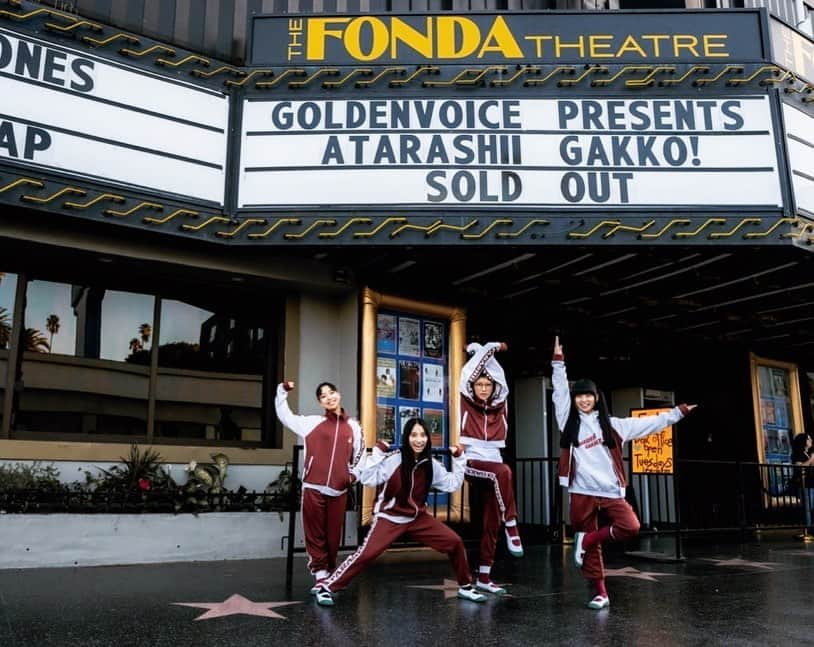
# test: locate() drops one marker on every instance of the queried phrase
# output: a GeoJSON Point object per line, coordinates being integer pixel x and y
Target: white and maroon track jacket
{"type": "Point", "coordinates": [384, 466]}
{"type": "Point", "coordinates": [592, 468]}
{"type": "Point", "coordinates": [334, 448]}
{"type": "Point", "coordinates": [483, 424]}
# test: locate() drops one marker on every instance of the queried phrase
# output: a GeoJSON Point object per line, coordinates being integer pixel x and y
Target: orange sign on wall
{"type": "Point", "coordinates": [654, 453]}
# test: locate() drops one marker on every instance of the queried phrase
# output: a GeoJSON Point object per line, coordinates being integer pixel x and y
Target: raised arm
{"type": "Point", "coordinates": [631, 428]}
{"type": "Point", "coordinates": [300, 425]}
{"type": "Point", "coordinates": [559, 379]}
{"type": "Point", "coordinates": [377, 469]}
{"type": "Point", "coordinates": [449, 481]}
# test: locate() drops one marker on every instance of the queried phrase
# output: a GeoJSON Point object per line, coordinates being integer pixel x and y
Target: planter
{"type": "Point", "coordinates": [55, 540]}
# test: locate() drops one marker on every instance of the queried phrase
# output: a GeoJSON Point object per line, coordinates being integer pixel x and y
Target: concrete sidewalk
{"type": "Point", "coordinates": [722, 594]}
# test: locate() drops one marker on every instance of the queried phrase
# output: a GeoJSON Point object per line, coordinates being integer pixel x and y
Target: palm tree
{"type": "Point", "coordinates": [5, 328]}
{"type": "Point", "coordinates": [52, 324]}
{"type": "Point", "coordinates": [35, 341]}
{"type": "Point", "coordinates": [145, 330]}
{"type": "Point", "coordinates": [135, 345]}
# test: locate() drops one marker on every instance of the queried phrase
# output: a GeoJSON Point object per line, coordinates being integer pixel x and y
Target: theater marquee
{"type": "Point", "coordinates": [621, 37]}
{"type": "Point", "coordinates": [510, 153]}
{"type": "Point", "coordinates": [76, 114]}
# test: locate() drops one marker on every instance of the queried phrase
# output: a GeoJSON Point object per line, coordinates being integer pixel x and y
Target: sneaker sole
{"type": "Point", "coordinates": [325, 603]}
{"type": "Point", "coordinates": [482, 598]}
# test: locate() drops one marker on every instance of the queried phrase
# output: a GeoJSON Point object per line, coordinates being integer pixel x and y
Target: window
{"type": "Point", "coordinates": [211, 364]}
{"type": "Point", "coordinates": [8, 288]}
{"type": "Point", "coordinates": [85, 367]}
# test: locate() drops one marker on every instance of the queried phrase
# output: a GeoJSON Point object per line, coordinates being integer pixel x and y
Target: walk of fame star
{"type": "Point", "coordinates": [629, 571]}
{"type": "Point", "coordinates": [449, 587]}
{"type": "Point", "coordinates": [737, 561]}
{"type": "Point", "coordinates": [236, 604]}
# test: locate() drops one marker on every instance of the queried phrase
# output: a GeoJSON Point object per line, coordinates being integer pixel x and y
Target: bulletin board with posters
{"type": "Point", "coordinates": [778, 415]}
{"type": "Point", "coordinates": [652, 454]}
{"type": "Point", "coordinates": [411, 375]}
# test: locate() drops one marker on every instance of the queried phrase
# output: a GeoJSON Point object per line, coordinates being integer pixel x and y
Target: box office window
{"type": "Point", "coordinates": [83, 370]}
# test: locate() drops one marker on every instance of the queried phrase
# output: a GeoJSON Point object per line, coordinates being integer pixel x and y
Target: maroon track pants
{"type": "Point", "coordinates": [426, 529]}
{"type": "Point", "coordinates": [584, 518]}
{"type": "Point", "coordinates": [498, 502]}
{"type": "Point", "coordinates": [323, 517]}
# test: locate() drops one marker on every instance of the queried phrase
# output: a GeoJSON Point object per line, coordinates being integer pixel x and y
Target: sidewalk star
{"type": "Point", "coordinates": [234, 605]}
{"type": "Point", "coordinates": [629, 571]}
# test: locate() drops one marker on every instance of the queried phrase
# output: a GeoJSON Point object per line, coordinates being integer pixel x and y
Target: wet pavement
{"type": "Point", "coordinates": [758, 593]}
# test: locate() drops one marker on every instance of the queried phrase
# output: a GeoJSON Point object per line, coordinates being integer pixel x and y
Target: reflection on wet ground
{"type": "Point", "coordinates": [744, 594]}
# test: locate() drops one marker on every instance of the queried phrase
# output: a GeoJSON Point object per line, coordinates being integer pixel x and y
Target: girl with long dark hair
{"type": "Point", "coordinates": [591, 468]}
{"type": "Point", "coordinates": [407, 474]}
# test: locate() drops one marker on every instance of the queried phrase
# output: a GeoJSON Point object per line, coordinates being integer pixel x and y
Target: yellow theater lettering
{"type": "Point", "coordinates": [630, 45]}
{"type": "Point", "coordinates": [641, 46]}
{"type": "Point", "coordinates": [317, 33]}
{"type": "Point", "coordinates": [353, 38]}
{"type": "Point", "coordinates": [504, 42]}
{"type": "Point", "coordinates": [400, 31]}
{"type": "Point", "coordinates": [450, 29]}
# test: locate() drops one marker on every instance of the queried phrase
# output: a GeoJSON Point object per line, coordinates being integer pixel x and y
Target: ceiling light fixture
{"type": "Point", "coordinates": [738, 280]}
{"type": "Point", "coordinates": [755, 296]}
{"type": "Point", "coordinates": [605, 264]}
{"type": "Point", "coordinates": [666, 276]}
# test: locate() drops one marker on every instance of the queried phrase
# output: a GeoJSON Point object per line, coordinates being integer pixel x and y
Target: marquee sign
{"type": "Point", "coordinates": [599, 37]}
{"type": "Point", "coordinates": [510, 153]}
{"type": "Point", "coordinates": [800, 143]}
{"type": "Point", "coordinates": [79, 115]}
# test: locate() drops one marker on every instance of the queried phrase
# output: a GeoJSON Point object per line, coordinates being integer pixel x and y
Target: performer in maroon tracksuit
{"type": "Point", "coordinates": [483, 392]}
{"type": "Point", "coordinates": [333, 460]}
{"type": "Point", "coordinates": [408, 474]}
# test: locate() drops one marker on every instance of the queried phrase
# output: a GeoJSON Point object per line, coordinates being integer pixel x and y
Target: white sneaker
{"type": "Point", "coordinates": [317, 586]}
{"type": "Point", "coordinates": [324, 597]}
{"type": "Point", "coordinates": [514, 544]}
{"type": "Point", "coordinates": [599, 602]}
{"type": "Point", "coordinates": [579, 551]}
{"type": "Point", "coordinates": [490, 587]}
{"type": "Point", "coordinates": [468, 592]}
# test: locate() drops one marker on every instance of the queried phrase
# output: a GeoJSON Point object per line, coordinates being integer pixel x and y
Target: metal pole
{"type": "Point", "coordinates": [292, 516]}
{"type": "Point", "coordinates": [676, 497]}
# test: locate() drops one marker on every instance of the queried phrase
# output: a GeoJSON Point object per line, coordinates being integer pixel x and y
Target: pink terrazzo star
{"type": "Point", "coordinates": [236, 604]}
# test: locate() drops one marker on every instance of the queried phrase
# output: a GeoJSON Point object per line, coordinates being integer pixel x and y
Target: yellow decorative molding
{"type": "Point", "coordinates": [141, 205]}
{"type": "Point", "coordinates": [102, 196]}
{"type": "Point", "coordinates": [397, 231]}
{"type": "Point", "coordinates": [54, 196]}
{"type": "Point", "coordinates": [637, 230]}
{"type": "Point", "coordinates": [294, 71]}
{"type": "Point", "coordinates": [191, 58]}
{"type": "Point", "coordinates": [695, 69]}
{"type": "Point", "coordinates": [317, 223]}
{"type": "Point", "coordinates": [727, 234]}
{"type": "Point", "coordinates": [727, 70]}
{"type": "Point", "coordinates": [488, 228]}
{"type": "Point", "coordinates": [209, 221]}
{"type": "Point", "coordinates": [380, 75]}
{"type": "Point", "coordinates": [438, 226]}
{"type": "Point", "coordinates": [36, 12]}
{"type": "Point", "coordinates": [387, 221]}
{"type": "Point", "coordinates": [648, 80]}
{"type": "Point", "coordinates": [421, 69]}
{"type": "Point", "coordinates": [246, 223]}
{"type": "Point", "coordinates": [464, 77]}
{"type": "Point", "coordinates": [772, 69]}
{"type": "Point", "coordinates": [169, 51]}
{"type": "Point", "coordinates": [75, 25]}
{"type": "Point", "coordinates": [531, 223]}
{"type": "Point", "coordinates": [562, 69]}
{"type": "Point", "coordinates": [351, 221]}
{"type": "Point", "coordinates": [20, 182]}
{"type": "Point", "coordinates": [228, 69]}
{"type": "Point", "coordinates": [178, 212]}
{"type": "Point", "coordinates": [594, 229]}
{"type": "Point", "coordinates": [280, 221]}
{"type": "Point", "coordinates": [363, 71]}
{"type": "Point", "coordinates": [707, 223]}
{"type": "Point", "coordinates": [331, 71]}
{"type": "Point", "coordinates": [245, 79]}
{"type": "Point", "coordinates": [522, 70]}
{"type": "Point", "coordinates": [96, 42]}
{"type": "Point", "coordinates": [589, 69]}
{"type": "Point", "coordinates": [803, 229]}
{"type": "Point", "coordinates": [672, 223]}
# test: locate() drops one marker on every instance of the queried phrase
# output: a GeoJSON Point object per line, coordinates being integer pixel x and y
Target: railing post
{"type": "Point", "coordinates": [741, 499]}
{"type": "Point", "coordinates": [293, 505]}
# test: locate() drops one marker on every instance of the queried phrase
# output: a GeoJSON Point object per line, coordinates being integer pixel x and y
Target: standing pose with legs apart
{"type": "Point", "coordinates": [333, 460]}
{"type": "Point", "coordinates": [483, 393]}
{"type": "Point", "coordinates": [591, 468]}
{"type": "Point", "coordinates": [407, 475]}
